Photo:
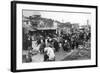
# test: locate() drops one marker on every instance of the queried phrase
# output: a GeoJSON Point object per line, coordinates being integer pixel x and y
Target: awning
{"type": "Point", "coordinates": [46, 28]}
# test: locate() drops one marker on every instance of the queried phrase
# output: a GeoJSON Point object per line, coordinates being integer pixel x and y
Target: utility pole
{"type": "Point", "coordinates": [87, 22]}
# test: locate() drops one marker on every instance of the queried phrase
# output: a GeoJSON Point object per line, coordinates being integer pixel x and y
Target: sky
{"type": "Point", "coordinates": [73, 17]}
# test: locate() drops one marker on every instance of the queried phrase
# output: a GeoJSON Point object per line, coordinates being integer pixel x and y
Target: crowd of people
{"type": "Point", "coordinates": [48, 45]}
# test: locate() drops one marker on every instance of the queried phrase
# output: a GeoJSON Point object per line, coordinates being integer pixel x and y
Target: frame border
{"type": "Point", "coordinates": [13, 35]}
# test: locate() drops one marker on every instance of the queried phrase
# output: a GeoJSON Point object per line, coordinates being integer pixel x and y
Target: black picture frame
{"type": "Point", "coordinates": [14, 30]}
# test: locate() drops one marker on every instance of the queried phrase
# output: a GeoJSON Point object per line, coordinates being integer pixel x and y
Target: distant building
{"type": "Point", "coordinates": [65, 28]}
